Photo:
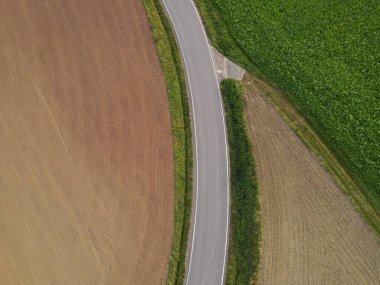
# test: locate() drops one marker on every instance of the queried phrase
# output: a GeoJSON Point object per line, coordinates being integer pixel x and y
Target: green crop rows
{"type": "Point", "coordinates": [326, 55]}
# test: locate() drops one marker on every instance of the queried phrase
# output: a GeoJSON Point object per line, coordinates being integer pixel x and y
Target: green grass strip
{"type": "Point", "coordinates": [182, 139]}
{"type": "Point", "coordinates": [244, 253]}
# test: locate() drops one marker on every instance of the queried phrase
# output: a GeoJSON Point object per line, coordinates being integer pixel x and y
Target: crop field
{"type": "Point", "coordinates": [325, 54]}
{"type": "Point", "coordinates": [86, 153]}
{"type": "Point", "coordinates": [311, 233]}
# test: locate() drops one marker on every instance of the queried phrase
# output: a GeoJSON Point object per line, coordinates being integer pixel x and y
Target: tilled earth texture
{"type": "Point", "coordinates": [86, 167]}
{"type": "Point", "coordinates": [311, 232]}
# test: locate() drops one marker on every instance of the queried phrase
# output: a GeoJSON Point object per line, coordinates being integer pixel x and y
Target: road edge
{"type": "Point", "coordinates": [193, 229]}
{"type": "Point", "coordinates": [171, 63]}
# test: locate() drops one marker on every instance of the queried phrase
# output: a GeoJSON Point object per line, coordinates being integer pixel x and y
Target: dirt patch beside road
{"type": "Point", "coordinates": [311, 233]}
{"type": "Point", "coordinates": [86, 166]}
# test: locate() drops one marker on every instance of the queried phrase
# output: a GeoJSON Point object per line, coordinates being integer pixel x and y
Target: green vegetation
{"type": "Point", "coordinates": [243, 259]}
{"type": "Point", "coordinates": [325, 55]}
{"type": "Point", "coordinates": [311, 139]}
{"type": "Point", "coordinates": [181, 128]}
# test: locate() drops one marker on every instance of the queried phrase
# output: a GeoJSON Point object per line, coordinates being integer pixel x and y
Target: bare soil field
{"type": "Point", "coordinates": [311, 233]}
{"type": "Point", "coordinates": [86, 166]}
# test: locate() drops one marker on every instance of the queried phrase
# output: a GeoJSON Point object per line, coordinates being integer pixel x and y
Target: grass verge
{"type": "Point", "coordinates": [244, 253]}
{"type": "Point", "coordinates": [182, 140]}
{"type": "Point", "coordinates": [287, 106]}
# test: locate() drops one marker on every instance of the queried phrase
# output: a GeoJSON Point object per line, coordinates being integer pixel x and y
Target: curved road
{"type": "Point", "coordinates": [209, 235]}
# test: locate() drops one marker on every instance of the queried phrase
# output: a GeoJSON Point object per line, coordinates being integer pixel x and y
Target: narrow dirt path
{"type": "Point", "coordinates": [311, 232]}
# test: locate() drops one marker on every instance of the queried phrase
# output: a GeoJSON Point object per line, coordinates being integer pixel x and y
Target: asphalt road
{"type": "Point", "coordinates": [209, 235]}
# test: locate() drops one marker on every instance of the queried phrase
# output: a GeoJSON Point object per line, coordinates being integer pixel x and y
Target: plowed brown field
{"type": "Point", "coordinates": [86, 167]}
{"type": "Point", "coordinates": [311, 232]}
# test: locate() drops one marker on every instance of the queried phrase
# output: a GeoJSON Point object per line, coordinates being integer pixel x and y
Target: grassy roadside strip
{"type": "Point", "coordinates": [286, 106]}
{"type": "Point", "coordinates": [182, 139]}
{"type": "Point", "coordinates": [244, 253]}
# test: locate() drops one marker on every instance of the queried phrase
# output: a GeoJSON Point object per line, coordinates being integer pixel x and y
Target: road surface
{"type": "Point", "coordinates": [209, 234]}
